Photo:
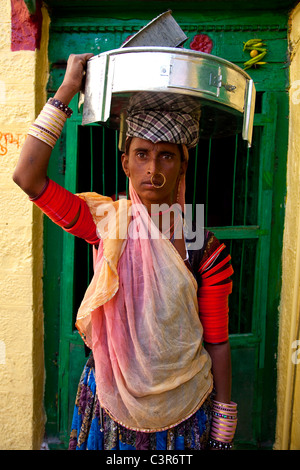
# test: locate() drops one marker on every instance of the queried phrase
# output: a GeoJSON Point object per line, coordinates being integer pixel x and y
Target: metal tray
{"type": "Point", "coordinates": [226, 93]}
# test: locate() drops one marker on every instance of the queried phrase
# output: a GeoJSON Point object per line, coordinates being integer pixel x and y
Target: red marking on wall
{"type": "Point", "coordinates": [26, 29]}
{"type": "Point", "coordinates": [7, 139]}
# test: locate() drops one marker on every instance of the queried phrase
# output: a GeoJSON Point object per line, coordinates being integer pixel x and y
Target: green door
{"type": "Point", "coordinates": [243, 192]}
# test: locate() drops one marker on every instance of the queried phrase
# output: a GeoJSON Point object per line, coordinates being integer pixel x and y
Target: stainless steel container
{"type": "Point", "coordinates": [226, 93]}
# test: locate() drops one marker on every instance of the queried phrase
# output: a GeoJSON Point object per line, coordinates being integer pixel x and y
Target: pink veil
{"type": "Point", "coordinates": [140, 317]}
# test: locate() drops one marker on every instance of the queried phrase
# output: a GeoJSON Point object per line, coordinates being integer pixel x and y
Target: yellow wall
{"type": "Point", "coordinates": [288, 393]}
{"type": "Point", "coordinates": [22, 91]}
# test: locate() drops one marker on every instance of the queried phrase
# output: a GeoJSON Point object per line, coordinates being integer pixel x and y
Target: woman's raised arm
{"type": "Point", "coordinates": [31, 170]}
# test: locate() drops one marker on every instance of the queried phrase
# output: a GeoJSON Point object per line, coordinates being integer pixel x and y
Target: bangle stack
{"type": "Point", "coordinates": [223, 425]}
{"type": "Point", "coordinates": [48, 125]}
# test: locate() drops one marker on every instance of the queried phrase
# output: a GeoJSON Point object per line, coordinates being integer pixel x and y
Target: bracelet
{"type": "Point", "coordinates": [63, 107]}
{"type": "Point", "coordinates": [220, 445]}
{"type": "Point", "coordinates": [231, 405]}
{"type": "Point", "coordinates": [223, 425]}
{"type": "Point", "coordinates": [48, 125]}
{"type": "Point", "coordinates": [227, 416]}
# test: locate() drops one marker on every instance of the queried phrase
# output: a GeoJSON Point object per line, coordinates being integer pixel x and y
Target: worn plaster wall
{"type": "Point", "coordinates": [288, 401]}
{"type": "Point", "coordinates": [23, 76]}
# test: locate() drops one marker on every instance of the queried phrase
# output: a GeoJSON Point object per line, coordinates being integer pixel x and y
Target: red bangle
{"type": "Point", "coordinates": [85, 226]}
{"type": "Point", "coordinates": [218, 277]}
{"type": "Point", "coordinates": [58, 204]}
{"type": "Point", "coordinates": [61, 206]}
{"type": "Point", "coordinates": [205, 266]}
{"type": "Point", "coordinates": [215, 287]}
{"type": "Point", "coordinates": [217, 267]}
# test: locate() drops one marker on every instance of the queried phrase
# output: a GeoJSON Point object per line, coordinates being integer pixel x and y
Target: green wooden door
{"type": "Point", "coordinates": [243, 192]}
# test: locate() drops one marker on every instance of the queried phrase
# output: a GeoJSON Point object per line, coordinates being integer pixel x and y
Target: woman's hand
{"type": "Point", "coordinates": [74, 76]}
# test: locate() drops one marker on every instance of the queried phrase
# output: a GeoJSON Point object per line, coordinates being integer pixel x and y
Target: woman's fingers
{"type": "Point", "coordinates": [76, 67]}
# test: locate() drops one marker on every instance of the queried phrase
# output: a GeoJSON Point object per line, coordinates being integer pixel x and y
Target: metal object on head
{"type": "Point", "coordinates": [226, 93]}
{"type": "Point", "coordinates": [161, 31]}
{"type": "Point", "coordinates": [249, 113]}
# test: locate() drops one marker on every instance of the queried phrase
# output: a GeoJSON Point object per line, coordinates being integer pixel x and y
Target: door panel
{"type": "Point", "coordinates": [238, 187]}
{"type": "Point", "coordinates": [246, 187]}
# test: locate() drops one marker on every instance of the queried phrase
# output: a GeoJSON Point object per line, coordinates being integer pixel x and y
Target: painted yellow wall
{"type": "Point", "coordinates": [22, 92]}
{"type": "Point", "coordinates": [288, 393]}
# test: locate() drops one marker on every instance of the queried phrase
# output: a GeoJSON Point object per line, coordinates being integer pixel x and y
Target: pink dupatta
{"type": "Point", "coordinates": [140, 318]}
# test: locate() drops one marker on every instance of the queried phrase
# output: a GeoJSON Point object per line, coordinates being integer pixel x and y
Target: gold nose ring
{"type": "Point", "coordinates": [155, 185]}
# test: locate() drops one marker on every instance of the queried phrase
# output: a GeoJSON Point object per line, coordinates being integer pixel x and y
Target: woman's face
{"type": "Point", "coordinates": [146, 159]}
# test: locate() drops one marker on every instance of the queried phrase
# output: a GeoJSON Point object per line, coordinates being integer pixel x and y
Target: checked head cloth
{"type": "Point", "coordinates": [164, 117]}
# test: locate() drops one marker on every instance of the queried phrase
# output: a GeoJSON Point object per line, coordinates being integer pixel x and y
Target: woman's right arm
{"type": "Point", "coordinates": [31, 170]}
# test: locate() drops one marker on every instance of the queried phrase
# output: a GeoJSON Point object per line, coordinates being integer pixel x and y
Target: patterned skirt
{"type": "Point", "coordinates": [93, 429]}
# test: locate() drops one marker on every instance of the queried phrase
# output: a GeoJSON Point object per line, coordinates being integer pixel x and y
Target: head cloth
{"type": "Point", "coordinates": [164, 117]}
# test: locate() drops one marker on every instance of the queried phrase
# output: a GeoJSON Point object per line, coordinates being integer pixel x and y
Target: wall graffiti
{"type": "Point", "coordinates": [8, 138]}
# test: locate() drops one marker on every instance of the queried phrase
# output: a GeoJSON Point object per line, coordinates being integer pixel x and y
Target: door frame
{"type": "Point", "coordinates": [59, 341]}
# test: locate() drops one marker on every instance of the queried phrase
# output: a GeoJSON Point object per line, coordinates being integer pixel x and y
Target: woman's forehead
{"type": "Point", "coordinates": [137, 144]}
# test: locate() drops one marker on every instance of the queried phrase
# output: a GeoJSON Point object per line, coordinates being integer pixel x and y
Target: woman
{"type": "Point", "coordinates": [150, 383]}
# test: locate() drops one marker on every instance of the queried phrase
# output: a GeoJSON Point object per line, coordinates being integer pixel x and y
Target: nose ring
{"type": "Point", "coordinates": [158, 185]}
